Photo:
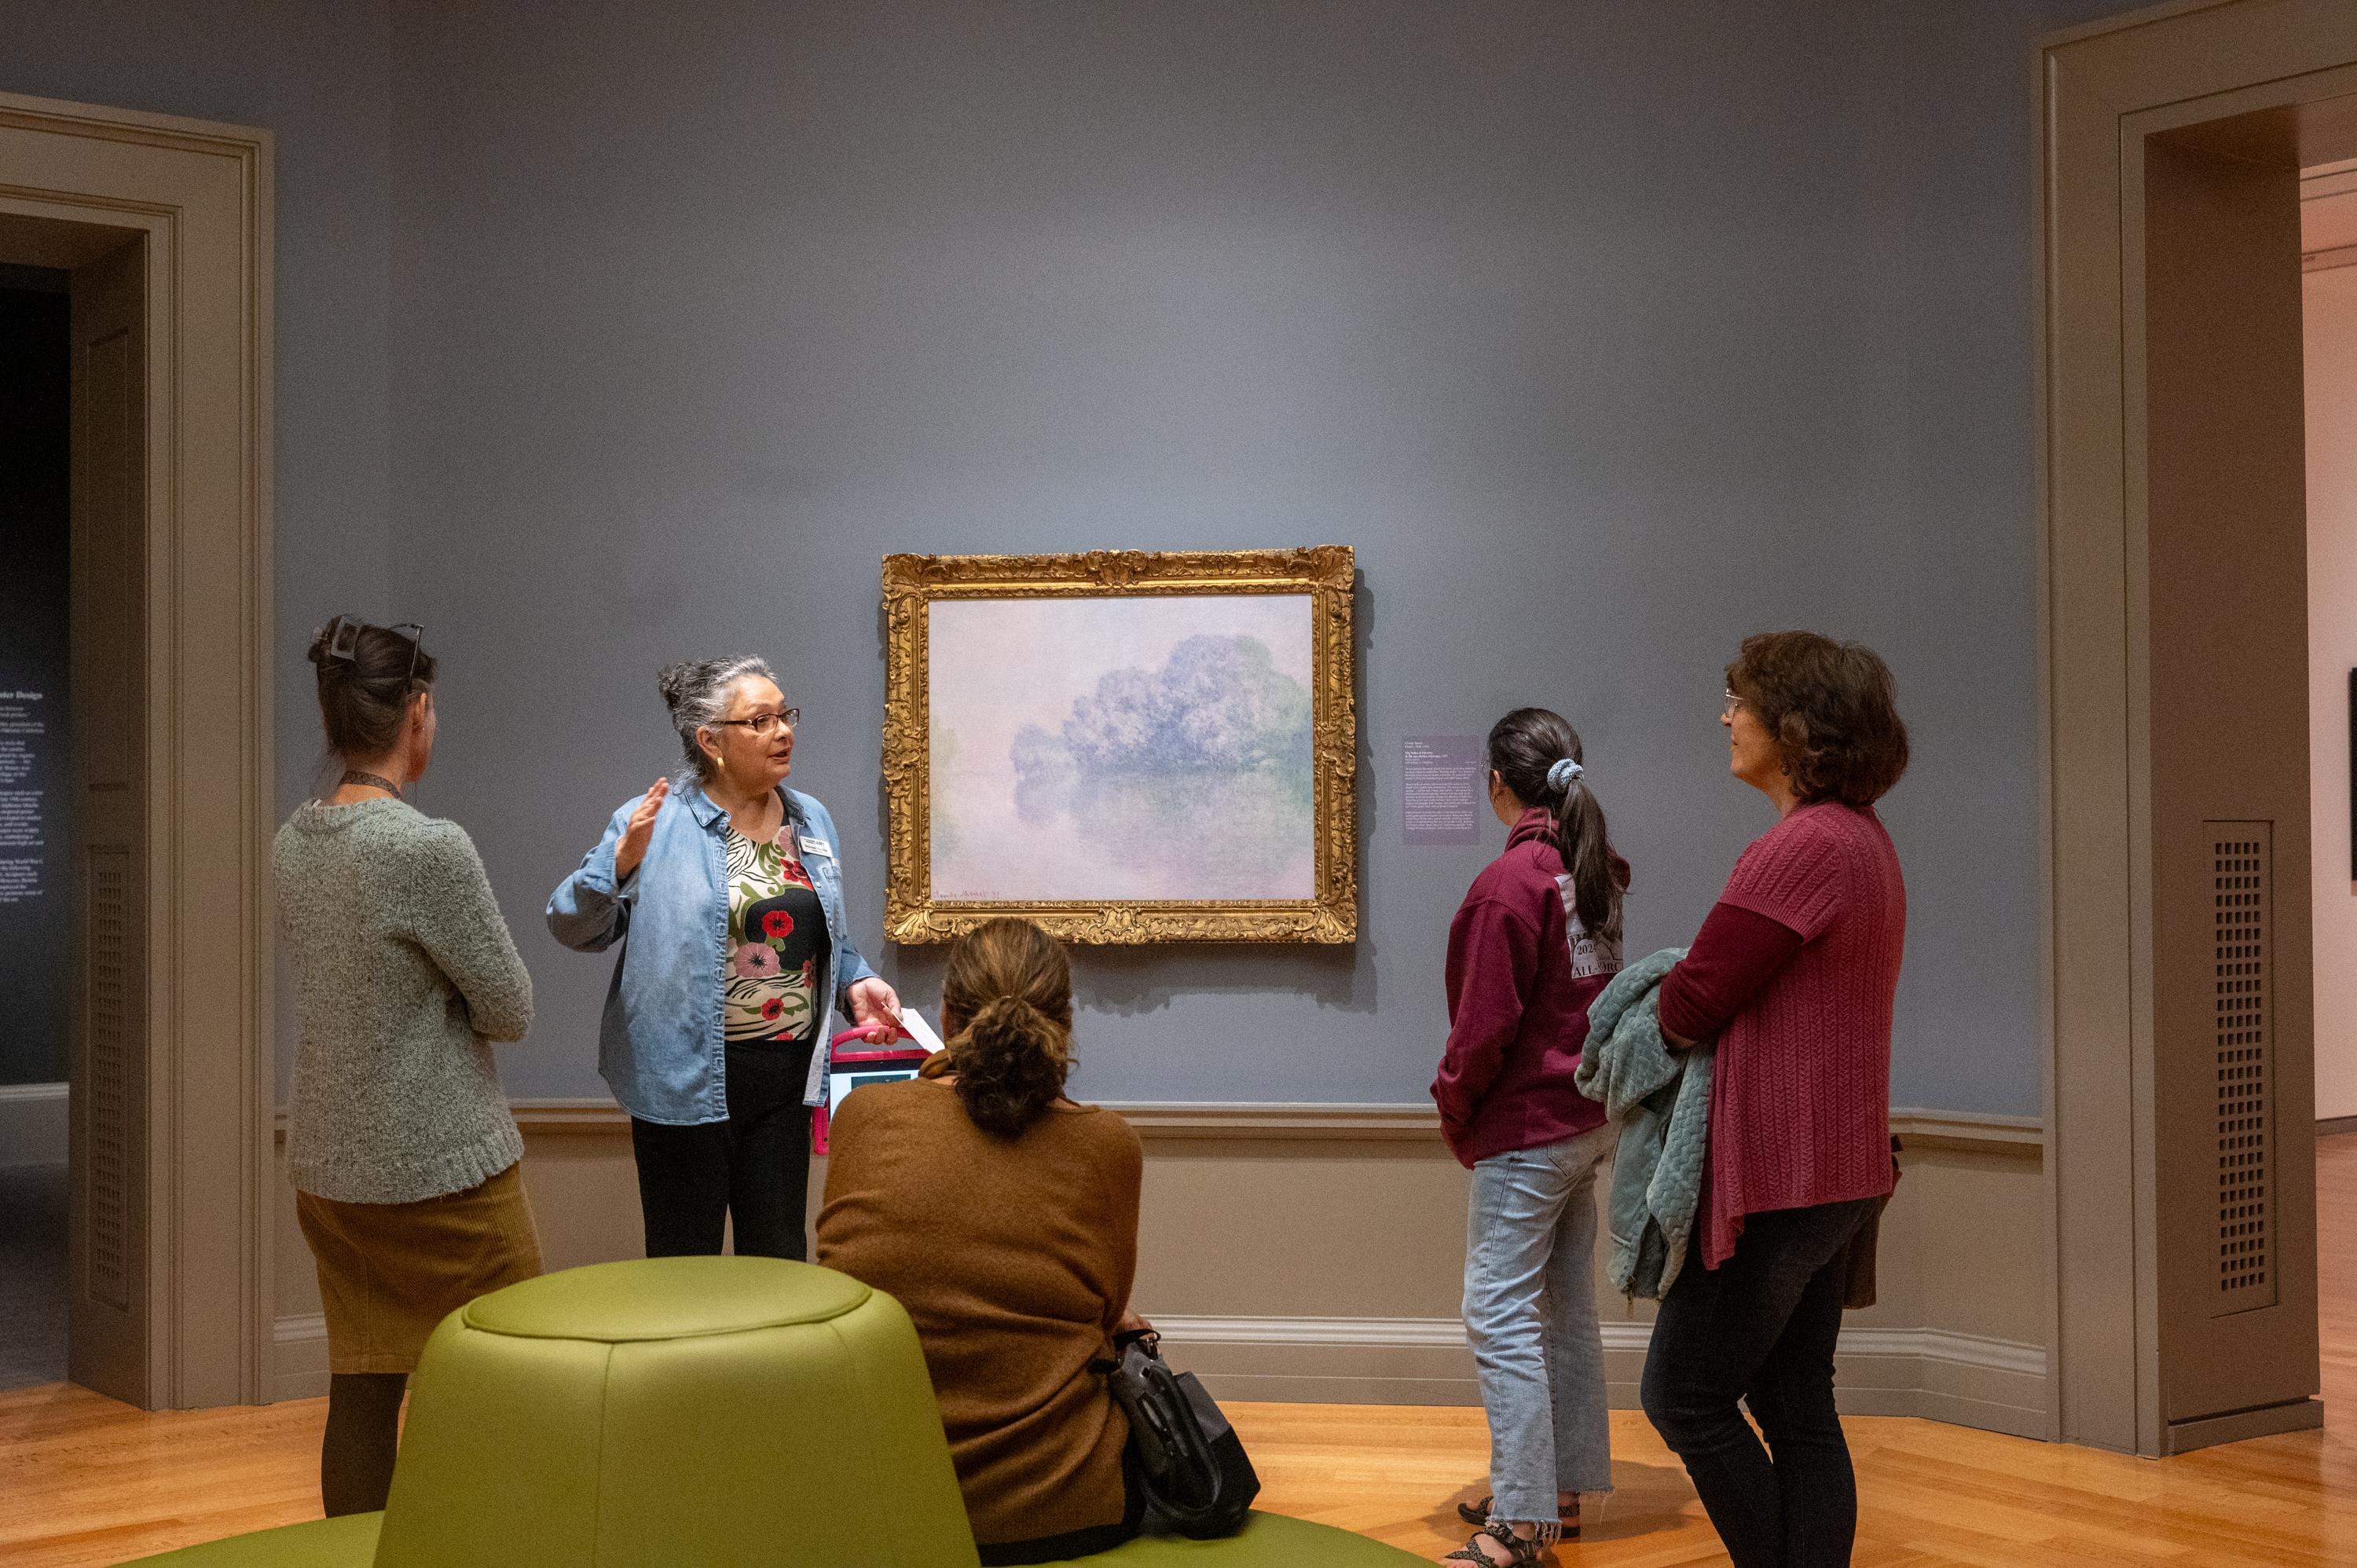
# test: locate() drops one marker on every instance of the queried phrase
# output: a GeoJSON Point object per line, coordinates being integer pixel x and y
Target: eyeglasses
{"type": "Point", "coordinates": [1733, 703]}
{"type": "Point", "coordinates": [765, 725]}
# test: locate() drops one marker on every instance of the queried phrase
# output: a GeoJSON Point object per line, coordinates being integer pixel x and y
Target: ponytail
{"type": "Point", "coordinates": [1537, 753]}
{"type": "Point", "coordinates": [1588, 855]}
{"type": "Point", "coordinates": [1010, 985]}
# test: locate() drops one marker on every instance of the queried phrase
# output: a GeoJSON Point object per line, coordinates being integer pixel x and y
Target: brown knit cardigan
{"type": "Point", "coordinates": [1014, 1258]}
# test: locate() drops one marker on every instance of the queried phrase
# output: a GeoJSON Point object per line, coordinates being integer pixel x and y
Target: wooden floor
{"type": "Point", "coordinates": [85, 1480]}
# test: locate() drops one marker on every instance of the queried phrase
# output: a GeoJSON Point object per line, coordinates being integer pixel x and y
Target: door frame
{"type": "Point", "coordinates": [2100, 90]}
{"type": "Point", "coordinates": [201, 193]}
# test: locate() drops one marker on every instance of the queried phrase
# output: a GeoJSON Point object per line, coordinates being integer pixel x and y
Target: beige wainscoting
{"type": "Point", "coordinates": [1315, 1252]}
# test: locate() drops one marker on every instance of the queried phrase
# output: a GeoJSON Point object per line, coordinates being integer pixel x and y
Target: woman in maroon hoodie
{"type": "Point", "coordinates": [1537, 938]}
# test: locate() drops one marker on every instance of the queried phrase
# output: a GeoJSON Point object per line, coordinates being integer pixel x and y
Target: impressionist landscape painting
{"type": "Point", "coordinates": [1146, 748]}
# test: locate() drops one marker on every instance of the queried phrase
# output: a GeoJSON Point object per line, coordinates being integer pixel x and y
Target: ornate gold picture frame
{"type": "Point", "coordinates": [1126, 746]}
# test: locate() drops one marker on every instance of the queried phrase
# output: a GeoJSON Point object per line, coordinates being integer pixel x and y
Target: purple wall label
{"type": "Point", "coordinates": [1440, 792]}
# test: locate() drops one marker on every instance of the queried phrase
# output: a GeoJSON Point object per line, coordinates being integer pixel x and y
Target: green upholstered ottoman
{"type": "Point", "coordinates": [690, 1412]}
{"type": "Point", "coordinates": [681, 1411]}
{"type": "Point", "coordinates": [675, 1411]}
{"type": "Point", "coordinates": [346, 1542]}
{"type": "Point", "coordinates": [1267, 1541]}
{"type": "Point", "coordinates": [1270, 1540]}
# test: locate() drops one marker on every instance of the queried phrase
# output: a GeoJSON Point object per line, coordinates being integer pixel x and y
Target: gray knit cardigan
{"type": "Point", "coordinates": [403, 973]}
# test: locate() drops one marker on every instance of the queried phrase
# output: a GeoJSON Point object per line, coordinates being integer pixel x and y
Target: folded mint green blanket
{"type": "Point", "coordinates": [1661, 1098]}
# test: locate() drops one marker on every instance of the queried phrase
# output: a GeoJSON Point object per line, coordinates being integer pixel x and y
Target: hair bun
{"type": "Point", "coordinates": [1002, 1014]}
{"type": "Point", "coordinates": [1009, 986]}
{"type": "Point", "coordinates": [1010, 1062]}
{"type": "Point", "coordinates": [366, 677]}
{"type": "Point", "coordinates": [679, 684]}
{"type": "Point", "coordinates": [322, 651]}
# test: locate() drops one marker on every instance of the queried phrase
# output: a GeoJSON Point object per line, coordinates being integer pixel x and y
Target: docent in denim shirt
{"type": "Point", "coordinates": [724, 891]}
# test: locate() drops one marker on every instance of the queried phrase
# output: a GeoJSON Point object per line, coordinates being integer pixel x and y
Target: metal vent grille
{"type": "Point", "coordinates": [109, 1095]}
{"type": "Point", "coordinates": [2241, 891]}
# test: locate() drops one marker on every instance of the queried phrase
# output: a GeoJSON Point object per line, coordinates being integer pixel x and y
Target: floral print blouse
{"type": "Point", "coordinates": [777, 946]}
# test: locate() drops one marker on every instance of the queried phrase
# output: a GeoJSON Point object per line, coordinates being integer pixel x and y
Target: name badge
{"type": "Point", "coordinates": [817, 846]}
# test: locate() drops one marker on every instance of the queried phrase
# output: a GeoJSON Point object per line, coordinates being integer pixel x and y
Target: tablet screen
{"type": "Point", "coordinates": [842, 1081]}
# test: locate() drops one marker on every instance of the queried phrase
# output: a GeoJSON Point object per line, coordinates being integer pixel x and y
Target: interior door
{"type": "Point", "coordinates": [108, 1328]}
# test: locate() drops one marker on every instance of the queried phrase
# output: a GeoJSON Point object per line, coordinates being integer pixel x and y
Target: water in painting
{"type": "Point", "coordinates": [1154, 747]}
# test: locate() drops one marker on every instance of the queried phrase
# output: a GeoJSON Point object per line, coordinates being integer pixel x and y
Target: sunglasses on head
{"type": "Point", "coordinates": [344, 642]}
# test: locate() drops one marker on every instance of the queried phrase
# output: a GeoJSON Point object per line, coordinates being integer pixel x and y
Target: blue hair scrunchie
{"type": "Point", "coordinates": [1560, 776]}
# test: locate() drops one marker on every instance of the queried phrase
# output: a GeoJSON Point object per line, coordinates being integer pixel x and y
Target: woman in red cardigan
{"type": "Point", "coordinates": [1793, 974]}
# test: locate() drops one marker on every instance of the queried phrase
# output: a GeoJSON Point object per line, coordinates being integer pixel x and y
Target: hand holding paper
{"type": "Point", "coordinates": [876, 1006]}
{"type": "Point", "coordinates": [910, 1023]}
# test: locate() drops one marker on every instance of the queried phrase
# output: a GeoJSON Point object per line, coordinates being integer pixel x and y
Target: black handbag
{"type": "Point", "coordinates": [1188, 1460]}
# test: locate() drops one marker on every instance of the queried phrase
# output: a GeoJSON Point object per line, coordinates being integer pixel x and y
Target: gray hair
{"type": "Point", "coordinates": [697, 695]}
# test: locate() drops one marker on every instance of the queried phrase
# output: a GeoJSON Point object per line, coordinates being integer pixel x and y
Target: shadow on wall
{"type": "Point", "coordinates": [1128, 981]}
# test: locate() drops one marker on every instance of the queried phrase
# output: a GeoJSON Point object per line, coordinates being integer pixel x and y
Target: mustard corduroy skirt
{"type": "Point", "coordinates": [390, 1271]}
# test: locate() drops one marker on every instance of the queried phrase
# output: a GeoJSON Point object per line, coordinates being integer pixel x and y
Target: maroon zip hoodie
{"type": "Point", "coordinates": [1517, 1014]}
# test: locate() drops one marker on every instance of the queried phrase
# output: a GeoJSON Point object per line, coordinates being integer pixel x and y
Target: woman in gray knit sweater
{"type": "Point", "coordinates": [402, 1151]}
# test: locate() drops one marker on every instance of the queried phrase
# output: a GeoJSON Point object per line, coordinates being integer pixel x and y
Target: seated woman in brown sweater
{"type": "Point", "coordinates": [1004, 1217]}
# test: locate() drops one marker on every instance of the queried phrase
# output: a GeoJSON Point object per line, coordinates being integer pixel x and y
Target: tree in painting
{"type": "Point", "coordinates": [1221, 705]}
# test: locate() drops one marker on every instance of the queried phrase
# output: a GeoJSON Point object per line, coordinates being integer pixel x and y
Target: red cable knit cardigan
{"type": "Point", "coordinates": [1800, 1110]}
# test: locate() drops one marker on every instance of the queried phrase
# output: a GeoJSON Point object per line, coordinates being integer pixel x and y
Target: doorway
{"type": "Point", "coordinates": [35, 864]}
{"type": "Point", "coordinates": [2182, 1079]}
{"type": "Point", "coordinates": [2329, 313]}
{"type": "Point", "coordinates": [139, 849]}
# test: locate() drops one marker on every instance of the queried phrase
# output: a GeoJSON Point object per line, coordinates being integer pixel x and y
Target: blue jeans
{"type": "Point", "coordinates": [1529, 1314]}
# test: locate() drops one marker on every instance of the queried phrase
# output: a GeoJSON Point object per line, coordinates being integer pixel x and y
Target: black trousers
{"type": "Point", "coordinates": [1762, 1327]}
{"type": "Point", "coordinates": [753, 1168]}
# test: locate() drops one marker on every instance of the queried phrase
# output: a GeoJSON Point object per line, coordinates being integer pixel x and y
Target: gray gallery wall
{"type": "Point", "coordinates": [315, 76]}
{"type": "Point", "coordinates": [1606, 333]}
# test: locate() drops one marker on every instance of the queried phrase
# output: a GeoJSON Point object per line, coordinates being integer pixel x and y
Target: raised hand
{"type": "Point", "coordinates": [640, 828]}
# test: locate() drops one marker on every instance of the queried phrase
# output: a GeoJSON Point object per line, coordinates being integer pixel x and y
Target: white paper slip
{"type": "Point", "coordinates": [918, 1030]}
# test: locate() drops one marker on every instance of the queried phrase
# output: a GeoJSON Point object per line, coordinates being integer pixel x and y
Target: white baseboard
{"type": "Point", "coordinates": [1967, 1380]}
{"type": "Point", "coordinates": [32, 1125]}
{"type": "Point", "coordinates": [1997, 1385]}
{"type": "Point", "coordinates": [300, 1370]}
{"type": "Point", "coordinates": [1416, 1122]}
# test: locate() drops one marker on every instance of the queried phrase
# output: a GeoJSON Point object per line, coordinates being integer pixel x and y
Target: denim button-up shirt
{"type": "Point", "coordinates": [660, 1045]}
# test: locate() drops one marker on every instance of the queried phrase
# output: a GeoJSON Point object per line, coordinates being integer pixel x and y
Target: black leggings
{"type": "Point", "coordinates": [753, 1168]}
{"type": "Point", "coordinates": [364, 1433]}
{"type": "Point", "coordinates": [1761, 1328]}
